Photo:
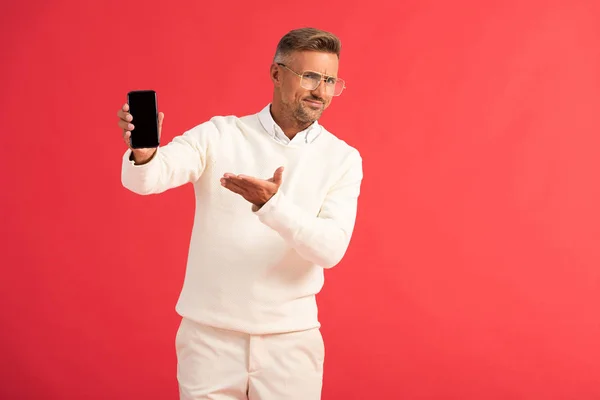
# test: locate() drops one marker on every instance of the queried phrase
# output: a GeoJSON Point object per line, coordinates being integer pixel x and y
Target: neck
{"type": "Point", "coordinates": [288, 124]}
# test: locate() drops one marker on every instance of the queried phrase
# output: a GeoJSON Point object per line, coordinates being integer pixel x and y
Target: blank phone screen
{"type": "Point", "coordinates": [143, 109]}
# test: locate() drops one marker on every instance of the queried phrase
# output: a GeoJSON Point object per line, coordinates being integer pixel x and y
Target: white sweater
{"type": "Point", "coordinates": [257, 272]}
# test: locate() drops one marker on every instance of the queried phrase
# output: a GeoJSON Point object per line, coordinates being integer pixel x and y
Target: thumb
{"type": "Point", "coordinates": [161, 117]}
{"type": "Point", "coordinates": [278, 176]}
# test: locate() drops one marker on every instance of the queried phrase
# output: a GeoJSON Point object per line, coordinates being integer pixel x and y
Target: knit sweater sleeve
{"type": "Point", "coordinates": [179, 162]}
{"type": "Point", "coordinates": [321, 239]}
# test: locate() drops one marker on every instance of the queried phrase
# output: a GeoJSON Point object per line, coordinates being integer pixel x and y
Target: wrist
{"type": "Point", "coordinates": [141, 157]}
{"type": "Point", "coordinates": [259, 205]}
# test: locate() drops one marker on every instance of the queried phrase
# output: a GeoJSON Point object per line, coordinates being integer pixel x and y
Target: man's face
{"type": "Point", "coordinates": [300, 103]}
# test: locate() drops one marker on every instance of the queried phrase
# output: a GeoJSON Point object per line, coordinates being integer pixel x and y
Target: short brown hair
{"type": "Point", "coordinates": [307, 39]}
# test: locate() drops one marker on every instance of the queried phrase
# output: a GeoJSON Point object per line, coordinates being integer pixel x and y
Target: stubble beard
{"type": "Point", "coordinates": [304, 116]}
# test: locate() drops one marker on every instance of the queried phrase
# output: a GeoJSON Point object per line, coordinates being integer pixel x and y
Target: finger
{"type": "Point", "coordinates": [127, 138]}
{"type": "Point", "coordinates": [126, 125]}
{"type": "Point", "coordinates": [126, 107]}
{"type": "Point", "coordinates": [161, 117]}
{"type": "Point", "coordinates": [234, 187]}
{"type": "Point", "coordinates": [250, 180]}
{"type": "Point", "coordinates": [124, 115]}
{"type": "Point", "coordinates": [234, 181]}
{"type": "Point", "coordinates": [278, 176]}
{"type": "Point", "coordinates": [247, 183]}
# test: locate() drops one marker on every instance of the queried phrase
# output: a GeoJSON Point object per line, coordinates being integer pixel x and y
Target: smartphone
{"type": "Point", "coordinates": [143, 108]}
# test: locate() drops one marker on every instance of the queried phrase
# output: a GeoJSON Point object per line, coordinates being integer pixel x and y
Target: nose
{"type": "Point", "coordinates": [321, 90]}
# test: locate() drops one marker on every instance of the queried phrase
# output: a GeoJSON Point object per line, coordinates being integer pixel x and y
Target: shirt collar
{"type": "Point", "coordinates": [304, 137]}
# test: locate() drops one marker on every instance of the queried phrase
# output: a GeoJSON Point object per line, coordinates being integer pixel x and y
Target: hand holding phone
{"type": "Point", "coordinates": [141, 123]}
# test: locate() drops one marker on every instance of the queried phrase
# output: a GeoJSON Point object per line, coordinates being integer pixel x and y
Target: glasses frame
{"type": "Point", "coordinates": [323, 78]}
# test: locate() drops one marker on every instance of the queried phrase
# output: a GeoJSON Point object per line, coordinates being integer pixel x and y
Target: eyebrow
{"type": "Point", "coordinates": [322, 73]}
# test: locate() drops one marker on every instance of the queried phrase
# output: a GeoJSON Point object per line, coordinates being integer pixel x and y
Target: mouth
{"type": "Point", "coordinates": [314, 103]}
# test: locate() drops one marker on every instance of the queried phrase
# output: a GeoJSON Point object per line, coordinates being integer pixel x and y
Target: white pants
{"type": "Point", "coordinates": [218, 364]}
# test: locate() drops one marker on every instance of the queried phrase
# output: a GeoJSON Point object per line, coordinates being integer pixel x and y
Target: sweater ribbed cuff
{"type": "Point", "coordinates": [279, 214]}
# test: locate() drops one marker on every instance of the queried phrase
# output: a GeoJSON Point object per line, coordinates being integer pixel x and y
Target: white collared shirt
{"type": "Point", "coordinates": [304, 137]}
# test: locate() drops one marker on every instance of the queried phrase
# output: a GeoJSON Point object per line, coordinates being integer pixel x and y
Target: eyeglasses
{"type": "Point", "coordinates": [310, 80]}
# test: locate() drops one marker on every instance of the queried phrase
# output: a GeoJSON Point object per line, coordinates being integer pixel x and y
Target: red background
{"type": "Point", "coordinates": [474, 269]}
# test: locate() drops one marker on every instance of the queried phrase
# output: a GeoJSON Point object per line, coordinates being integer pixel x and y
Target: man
{"type": "Point", "coordinates": [249, 325]}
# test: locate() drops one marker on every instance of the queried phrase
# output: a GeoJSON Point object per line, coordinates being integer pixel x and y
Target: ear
{"type": "Point", "coordinates": [275, 74]}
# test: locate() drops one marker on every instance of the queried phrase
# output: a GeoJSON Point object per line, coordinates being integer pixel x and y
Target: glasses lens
{"type": "Point", "coordinates": [310, 80]}
{"type": "Point", "coordinates": [338, 87]}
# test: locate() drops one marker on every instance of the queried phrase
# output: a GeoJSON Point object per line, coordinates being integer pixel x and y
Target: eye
{"type": "Point", "coordinates": [331, 81]}
{"type": "Point", "coordinates": [312, 76]}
